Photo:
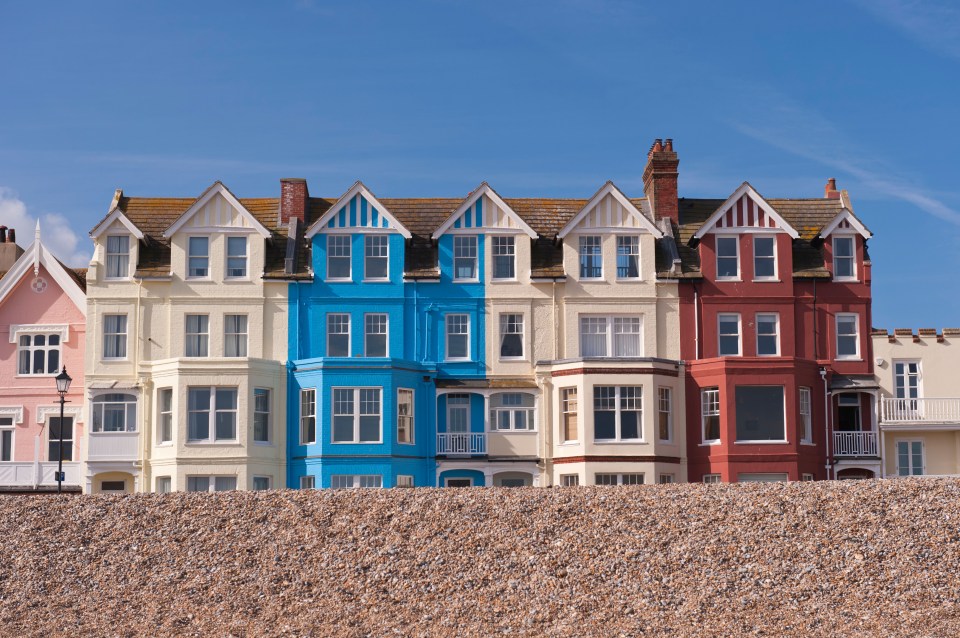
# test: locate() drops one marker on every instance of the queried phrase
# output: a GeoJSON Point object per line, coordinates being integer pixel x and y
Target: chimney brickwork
{"type": "Point", "coordinates": [660, 180]}
{"type": "Point", "coordinates": [830, 190]}
{"type": "Point", "coordinates": [294, 200]}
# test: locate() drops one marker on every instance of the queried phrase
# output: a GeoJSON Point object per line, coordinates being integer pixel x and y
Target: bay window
{"type": "Point", "coordinates": [114, 413]}
{"type": "Point", "coordinates": [356, 415]}
{"type": "Point", "coordinates": [710, 414]}
{"type": "Point", "coordinates": [760, 413]}
{"type": "Point", "coordinates": [618, 413]}
{"type": "Point", "coordinates": [216, 405]}
{"type": "Point", "coordinates": [511, 411]}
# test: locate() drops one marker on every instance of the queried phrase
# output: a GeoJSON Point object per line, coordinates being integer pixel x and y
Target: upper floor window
{"type": "Point", "coordinates": [768, 337]}
{"type": "Point", "coordinates": [114, 336]}
{"type": "Point", "coordinates": [568, 408]}
{"type": "Point", "coordinates": [806, 416]}
{"type": "Point", "coordinates": [165, 408]}
{"type": "Point", "coordinates": [729, 334]}
{"type": "Point", "coordinates": [375, 256]}
{"type": "Point", "coordinates": [338, 335]}
{"type": "Point", "coordinates": [404, 415]}
{"type": "Point", "coordinates": [511, 411]}
{"type": "Point", "coordinates": [760, 413]}
{"type": "Point", "coordinates": [261, 415]}
{"type": "Point", "coordinates": [848, 342]}
{"type": "Point", "coordinates": [504, 258]}
{"type": "Point", "coordinates": [611, 336]}
{"type": "Point", "coordinates": [464, 257]}
{"type": "Point", "coordinates": [665, 414]}
{"type": "Point", "coordinates": [710, 414]}
{"type": "Point", "coordinates": [198, 257]}
{"type": "Point", "coordinates": [906, 379]}
{"type": "Point", "coordinates": [591, 258]}
{"type": "Point", "coordinates": [728, 258]}
{"type": "Point", "coordinates": [356, 415]}
{"type": "Point", "coordinates": [338, 256]}
{"type": "Point", "coordinates": [236, 257]}
{"type": "Point", "coordinates": [198, 335]}
{"type": "Point", "coordinates": [628, 257]}
{"type": "Point", "coordinates": [844, 264]}
{"type": "Point", "coordinates": [458, 336]}
{"type": "Point", "coordinates": [308, 416]}
{"type": "Point", "coordinates": [216, 405]}
{"type": "Point", "coordinates": [764, 257]}
{"type": "Point", "coordinates": [617, 413]}
{"type": "Point", "coordinates": [118, 256]}
{"type": "Point", "coordinates": [115, 413]}
{"type": "Point", "coordinates": [235, 335]}
{"type": "Point", "coordinates": [39, 354]}
{"type": "Point", "coordinates": [375, 335]}
{"type": "Point", "coordinates": [511, 336]}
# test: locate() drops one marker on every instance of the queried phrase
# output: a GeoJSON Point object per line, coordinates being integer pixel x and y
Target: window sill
{"type": "Point", "coordinates": [808, 443]}
{"type": "Point", "coordinates": [165, 444]}
{"type": "Point", "coordinates": [345, 280]}
{"type": "Point", "coordinates": [406, 443]}
{"type": "Point", "coordinates": [762, 442]}
{"type": "Point", "coordinates": [121, 432]}
{"type": "Point", "coordinates": [212, 443]}
{"type": "Point", "coordinates": [263, 443]}
{"type": "Point", "coordinates": [569, 443]}
{"type": "Point", "coordinates": [734, 280]}
{"type": "Point", "coordinates": [114, 359]}
{"type": "Point", "coordinates": [118, 278]}
{"type": "Point", "coordinates": [497, 280]}
{"type": "Point", "coordinates": [375, 281]}
{"type": "Point", "coordinates": [512, 432]}
{"type": "Point", "coordinates": [512, 359]}
{"type": "Point", "coordinates": [458, 360]}
{"type": "Point", "coordinates": [593, 280]}
{"type": "Point", "coordinates": [210, 279]}
{"type": "Point", "coordinates": [851, 359]}
{"type": "Point", "coordinates": [846, 280]}
{"type": "Point", "coordinates": [619, 441]}
{"type": "Point", "coordinates": [710, 443]}
{"type": "Point", "coordinates": [767, 281]}
{"type": "Point", "coordinates": [629, 280]}
{"type": "Point", "coordinates": [356, 442]}
{"type": "Point", "coordinates": [235, 280]}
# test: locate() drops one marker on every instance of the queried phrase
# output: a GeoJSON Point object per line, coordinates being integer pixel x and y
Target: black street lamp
{"type": "Point", "coordinates": [63, 385]}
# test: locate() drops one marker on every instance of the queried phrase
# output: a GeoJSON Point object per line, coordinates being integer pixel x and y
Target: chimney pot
{"type": "Point", "coordinates": [3, 234]}
{"type": "Point", "coordinates": [660, 180]}
{"type": "Point", "coordinates": [668, 144]}
{"type": "Point", "coordinates": [12, 236]}
{"type": "Point", "coordinates": [830, 190]}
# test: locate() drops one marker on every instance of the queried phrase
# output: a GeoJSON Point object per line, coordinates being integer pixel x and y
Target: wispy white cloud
{"type": "Point", "coordinates": [932, 24]}
{"type": "Point", "coordinates": [55, 230]}
{"type": "Point", "coordinates": [784, 124]}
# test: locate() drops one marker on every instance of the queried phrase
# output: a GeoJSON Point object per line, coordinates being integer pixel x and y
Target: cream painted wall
{"type": "Point", "coordinates": [938, 363]}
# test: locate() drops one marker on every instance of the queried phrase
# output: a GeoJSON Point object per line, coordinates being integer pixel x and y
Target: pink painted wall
{"type": "Point", "coordinates": [52, 306]}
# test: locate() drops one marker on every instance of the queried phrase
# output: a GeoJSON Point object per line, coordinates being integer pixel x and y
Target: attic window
{"type": "Point", "coordinates": [118, 256]}
{"type": "Point", "coordinates": [843, 258]}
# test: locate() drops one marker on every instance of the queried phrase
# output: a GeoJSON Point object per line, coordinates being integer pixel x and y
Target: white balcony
{"type": "Point", "coordinates": [30, 474]}
{"type": "Point", "coordinates": [113, 446]}
{"type": "Point", "coordinates": [920, 410]}
{"type": "Point", "coordinates": [461, 443]}
{"type": "Point", "coordinates": [855, 444]}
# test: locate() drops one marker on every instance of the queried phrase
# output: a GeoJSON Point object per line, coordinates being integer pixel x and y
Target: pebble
{"type": "Point", "coordinates": [851, 558]}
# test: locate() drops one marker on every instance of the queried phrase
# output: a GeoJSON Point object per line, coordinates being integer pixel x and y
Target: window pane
{"type": "Point", "coordinates": [503, 258]}
{"type": "Point", "coordinates": [198, 406]}
{"type": "Point", "coordinates": [224, 483]}
{"type": "Point", "coordinates": [198, 260]}
{"type": "Point", "coordinates": [375, 256]}
{"type": "Point", "coordinates": [198, 483]}
{"type": "Point", "coordinates": [376, 335]}
{"type": "Point", "coordinates": [628, 257]}
{"type": "Point", "coordinates": [626, 337]}
{"type": "Point", "coordinates": [338, 256]}
{"type": "Point", "coordinates": [593, 336]}
{"type": "Point", "coordinates": [727, 259]}
{"type": "Point", "coordinates": [604, 412]}
{"type": "Point", "coordinates": [511, 335]}
{"type": "Point", "coordinates": [458, 327]}
{"type": "Point", "coordinates": [338, 335]}
{"type": "Point", "coordinates": [464, 257]}
{"type": "Point", "coordinates": [763, 261]}
{"type": "Point", "coordinates": [760, 414]}
{"type": "Point", "coordinates": [591, 261]}
{"type": "Point", "coordinates": [236, 256]}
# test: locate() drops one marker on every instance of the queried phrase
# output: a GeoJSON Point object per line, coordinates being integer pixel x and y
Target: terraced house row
{"type": "Point", "coordinates": [223, 343]}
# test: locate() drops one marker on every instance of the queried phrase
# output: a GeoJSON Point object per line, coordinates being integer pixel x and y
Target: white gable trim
{"type": "Point", "coordinates": [38, 254]}
{"type": "Point", "coordinates": [845, 215]}
{"type": "Point", "coordinates": [484, 189]}
{"type": "Point", "coordinates": [610, 189]}
{"type": "Point", "coordinates": [357, 189]}
{"type": "Point", "coordinates": [748, 190]}
{"type": "Point", "coordinates": [115, 215]}
{"type": "Point", "coordinates": [217, 189]}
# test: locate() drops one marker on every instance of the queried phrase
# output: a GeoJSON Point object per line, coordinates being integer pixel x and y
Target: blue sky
{"type": "Point", "coordinates": [429, 98]}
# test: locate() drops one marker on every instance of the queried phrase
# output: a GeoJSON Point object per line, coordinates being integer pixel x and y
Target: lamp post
{"type": "Point", "coordinates": [63, 385]}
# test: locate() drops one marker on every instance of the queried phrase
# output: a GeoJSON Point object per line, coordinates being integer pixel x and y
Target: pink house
{"type": "Point", "coordinates": [42, 329]}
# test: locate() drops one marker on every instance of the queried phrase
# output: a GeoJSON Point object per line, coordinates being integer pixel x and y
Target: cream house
{"type": "Point", "coordinates": [187, 339]}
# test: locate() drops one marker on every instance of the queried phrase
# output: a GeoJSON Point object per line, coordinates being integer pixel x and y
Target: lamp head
{"type": "Point", "coordinates": [63, 381]}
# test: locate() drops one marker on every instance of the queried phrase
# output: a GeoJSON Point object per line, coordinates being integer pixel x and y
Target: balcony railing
{"type": "Point", "coordinates": [113, 446]}
{"type": "Point", "coordinates": [461, 443]}
{"type": "Point", "coordinates": [855, 444]}
{"type": "Point", "coordinates": [30, 474]}
{"type": "Point", "coordinates": [920, 410]}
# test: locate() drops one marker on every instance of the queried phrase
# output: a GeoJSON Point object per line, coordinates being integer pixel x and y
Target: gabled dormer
{"type": "Point", "coordinates": [217, 239]}
{"type": "Point", "coordinates": [609, 239]}
{"type": "Point", "coordinates": [844, 242]}
{"type": "Point", "coordinates": [116, 242]}
{"type": "Point", "coordinates": [358, 240]}
{"type": "Point", "coordinates": [483, 230]}
{"type": "Point", "coordinates": [746, 239]}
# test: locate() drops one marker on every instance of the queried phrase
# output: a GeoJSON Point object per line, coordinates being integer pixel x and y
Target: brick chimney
{"type": "Point", "coordinates": [9, 251]}
{"type": "Point", "coordinates": [294, 200]}
{"type": "Point", "coordinates": [830, 190]}
{"type": "Point", "coordinates": [660, 179]}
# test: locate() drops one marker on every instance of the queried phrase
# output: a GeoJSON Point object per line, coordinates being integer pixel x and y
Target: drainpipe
{"type": "Point", "coordinates": [416, 326]}
{"type": "Point", "coordinates": [556, 333]}
{"type": "Point", "coordinates": [144, 431]}
{"type": "Point", "coordinates": [696, 324]}
{"type": "Point", "coordinates": [816, 342]}
{"type": "Point", "coordinates": [826, 420]}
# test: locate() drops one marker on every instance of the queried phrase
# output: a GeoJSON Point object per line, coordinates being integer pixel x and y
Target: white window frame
{"type": "Point", "coordinates": [212, 482]}
{"type": "Point", "coordinates": [665, 400]}
{"type": "Point", "coordinates": [907, 375]}
{"type": "Point", "coordinates": [203, 338]}
{"type": "Point", "coordinates": [619, 478]}
{"type": "Point", "coordinates": [404, 481]}
{"type": "Point", "coordinates": [355, 415]}
{"type": "Point", "coordinates": [634, 243]}
{"type": "Point", "coordinates": [8, 438]}
{"type": "Point", "coordinates": [164, 417]}
{"type": "Point", "coordinates": [587, 241]}
{"type": "Point", "coordinates": [508, 327]}
{"type": "Point", "coordinates": [461, 252]}
{"type": "Point", "coordinates": [212, 412]}
{"type": "Point", "coordinates": [721, 316]}
{"type": "Point", "coordinates": [355, 481]}
{"type": "Point", "coordinates": [776, 332]}
{"type": "Point", "coordinates": [240, 340]}
{"type": "Point", "coordinates": [806, 414]}
{"type": "Point", "coordinates": [118, 256]}
{"type": "Point", "coordinates": [853, 257]}
{"type": "Point", "coordinates": [665, 479]}
{"type": "Point", "coordinates": [569, 405]}
{"type": "Point", "coordinates": [736, 242]}
{"type": "Point", "coordinates": [610, 334]}
{"type": "Point", "coordinates": [308, 482]}
{"type": "Point", "coordinates": [376, 242]}
{"type": "Point", "coordinates": [856, 335]}
{"type": "Point", "coordinates": [756, 258]}
{"type": "Point", "coordinates": [308, 401]}
{"type": "Point", "coordinates": [32, 349]}
{"type": "Point", "coordinates": [245, 257]}
{"type": "Point", "coordinates": [466, 335]}
{"type": "Point", "coordinates": [98, 409]}
{"type": "Point", "coordinates": [191, 255]}
{"type": "Point", "coordinates": [710, 406]}
{"type": "Point", "coordinates": [511, 411]}
{"type": "Point", "coordinates": [338, 318]}
{"type": "Point", "coordinates": [119, 338]}
{"type": "Point", "coordinates": [338, 238]}
{"type": "Point", "coordinates": [806, 476]}
{"type": "Point", "coordinates": [367, 334]}
{"type": "Point", "coordinates": [569, 480]}
{"type": "Point", "coordinates": [618, 414]}
{"type": "Point", "coordinates": [503, 246]}
{"type": "Point", "coordinates": [910, 466]}
{"type": "Point", "coordinates": [164, 485]}
{"type": "Point", "coordinates": [268, 416]}
{"type": "Point", "coordinates": [408, 418]}
{"type": "Point", "coordinates": [711, 479]}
